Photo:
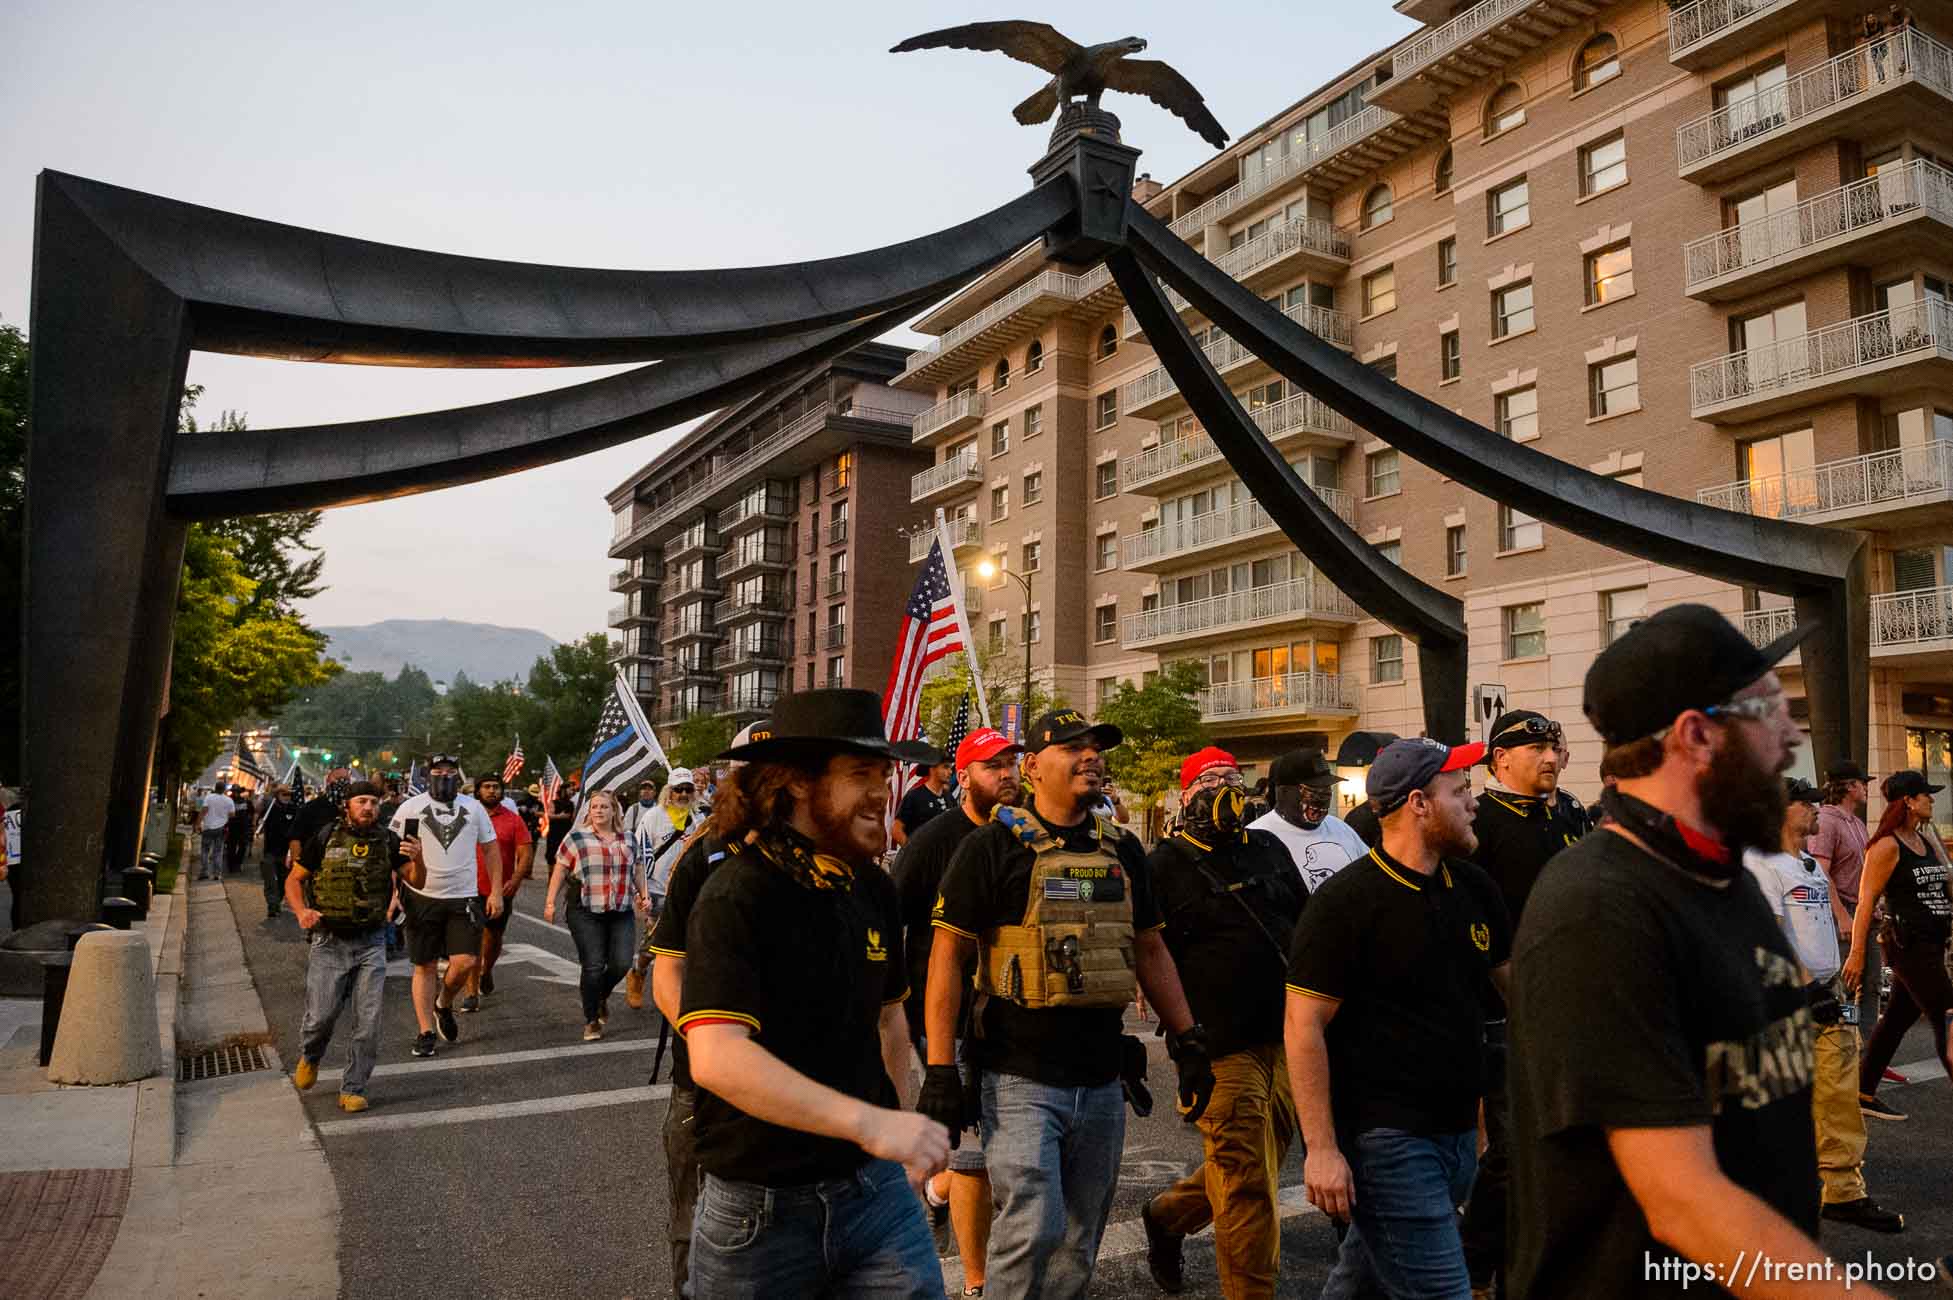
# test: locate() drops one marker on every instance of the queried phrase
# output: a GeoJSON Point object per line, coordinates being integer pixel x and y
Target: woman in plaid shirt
{"type": "Point", "coordinates": [600, 912]}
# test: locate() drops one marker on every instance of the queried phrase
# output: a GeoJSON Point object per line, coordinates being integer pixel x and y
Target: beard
{"type": "Point", "coordinates": [1004, 791]}
{"type": "Point", "coordinates": [840, 833]}
{"type": "Point", "coordinates": [1743, 804]}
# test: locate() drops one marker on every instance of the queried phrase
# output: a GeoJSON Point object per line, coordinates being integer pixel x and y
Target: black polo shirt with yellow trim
{"type": "Point", "coordinates": [1517, 836]}
{"type": "Point", "coordinates": [667, 939]}
{"type": "Point", "coordinates": [1403, 955]}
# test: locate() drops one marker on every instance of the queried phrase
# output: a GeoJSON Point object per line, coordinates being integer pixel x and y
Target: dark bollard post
{"type": "Point", "coordinates": [119, 913]}
{"type": "Point", "coordinates": [139, 885]}
{"type": "Point", "coordinates": [54, 990]}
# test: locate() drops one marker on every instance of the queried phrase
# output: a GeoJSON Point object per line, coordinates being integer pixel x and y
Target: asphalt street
{"type": "Point", "coordinates": [521, 1161]}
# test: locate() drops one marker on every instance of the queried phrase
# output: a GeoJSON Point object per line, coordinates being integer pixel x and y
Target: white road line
{"type": "Point", "coordinates": [1128, 1236]}
{"type": "Point", "coordinates": [537, 920]}
{"type": "Point", "coordinates": [1921, 1071]}
{"type": "Point", "coordinates": [502, 1058]}
{"type": "Point", "coordinates": [384, 1123]}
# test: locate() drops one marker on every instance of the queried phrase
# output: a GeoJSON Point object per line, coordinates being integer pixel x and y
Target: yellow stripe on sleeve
{"type": "Point", "coordinates": [1311, 993]}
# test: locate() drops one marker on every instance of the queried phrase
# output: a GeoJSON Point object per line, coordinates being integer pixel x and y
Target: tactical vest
{"type": "Point", "coordinates": [351, 888]}
{"type": "Point", "coordinates": [1074, 947]}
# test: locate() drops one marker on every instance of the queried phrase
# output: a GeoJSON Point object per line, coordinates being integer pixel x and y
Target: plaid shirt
{"type": "Point", "coordinates": [604, 867]}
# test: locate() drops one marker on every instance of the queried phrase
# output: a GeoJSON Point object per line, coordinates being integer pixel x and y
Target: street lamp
{"type": "Point", "coordinates": [988, 570]}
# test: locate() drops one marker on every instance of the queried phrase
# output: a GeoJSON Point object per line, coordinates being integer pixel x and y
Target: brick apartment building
{"type": "Point", "coordinates": [1702, 247]}
{"type": "Point", "coordinates": [761, 552]}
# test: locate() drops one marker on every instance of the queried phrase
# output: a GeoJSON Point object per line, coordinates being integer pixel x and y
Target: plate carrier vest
{"type": "Point", "coordinates": [1074, 947]}
{"type": "Point", "coordinates": [351, 888]}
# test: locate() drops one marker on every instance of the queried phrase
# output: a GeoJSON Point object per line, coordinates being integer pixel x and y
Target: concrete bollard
{"type": "Point", "coordinates": [108, 1028]}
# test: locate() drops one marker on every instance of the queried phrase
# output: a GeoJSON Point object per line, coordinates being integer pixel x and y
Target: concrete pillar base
{"type": "Point", "coordinates": [108, 1028]}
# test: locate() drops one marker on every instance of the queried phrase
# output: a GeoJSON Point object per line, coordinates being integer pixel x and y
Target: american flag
{"type": "Point", "coordinates": [625, 747]}
{"type": "Point", "coordinates": [552, 782]}
{"type": "Point", "coordinates": [247, 764]}
{"type": "Point", "coordinates": [932, 629]}
{"type": "Point", "coordinates": [514, 765]}
{"type": "Point", "coordinates": [959, 727]}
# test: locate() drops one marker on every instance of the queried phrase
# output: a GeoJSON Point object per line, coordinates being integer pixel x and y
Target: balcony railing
{"type": "Point", "coordinates": [1055, 284]}
{"type": "Point", "coordinates": [1305, 694]}
{"type": "Point", "coordinates": [618, 613]}
{"type": "Point", "coordinates": [751, 699]}
{"type": "Point", "coordinates": [1872, 66]}
{"type": "Point", "coordinates": [1303, 411]}
{"type": "Point", "coordinates": [1802, 360]}
{"type": "Point", "coordinates": [1238, 609]}
{"type": "Point", "coordinates": [1304, 234]}
{"type": "Point", "coordinates": [1860, 483]}
{"type": "Point", "coordinates": [1691, 25]}
{"type": "Point", "coordinates": [738, 607]}
{"type": "Point", "coordinates": [962, 532]}
{"type": "Point", "coordinates": [970, 404]}
{"type": "Point", "coordinates": [1327, 323]}
{"type": "Point", "coordinates": [835, 584]}
{"type": "Point", "coordinates": [837, 532]}
{"type": "Point", "coordinates": [1215, 527]}
{"type": "Point", "coordinates": [739, 512]}
{"type": "Point", "coordinates": [964, 467]}
{"type": "Point", "coordinates": [1899, 619]}
{"type": "Point", "coordinates": [834, 636]}
{"type": "Point", "coordinates": [1301, 158]}
{"type": "Point", "coordinates": [1895, 192]}
{"type": "Point", "coordinates": [1413, 55]}
{"type": "Point", "coordinates": [832, 481]}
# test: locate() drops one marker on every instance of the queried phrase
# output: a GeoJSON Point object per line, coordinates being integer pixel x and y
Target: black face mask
{"type": "Point", "coordinates": [1216, 813]}
{"type": "Point", "coordinates": [445, 787]}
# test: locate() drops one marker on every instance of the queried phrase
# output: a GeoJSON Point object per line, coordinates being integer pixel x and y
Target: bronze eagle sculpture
{"type": "Point", "coordinates": [1079, 70]}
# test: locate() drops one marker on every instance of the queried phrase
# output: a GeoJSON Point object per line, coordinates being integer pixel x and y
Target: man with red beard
{"type": "Point", "coordinates": [792, 1010]}
{"type": "Point", "coordinates": [1662, 1049]}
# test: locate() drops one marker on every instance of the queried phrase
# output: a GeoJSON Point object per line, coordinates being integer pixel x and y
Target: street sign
{"type": "Point", "coordinates": [1488, 702]}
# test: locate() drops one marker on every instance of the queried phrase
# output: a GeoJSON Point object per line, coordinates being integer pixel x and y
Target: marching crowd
{"type": "Point", "coordinates": [1527, 1048]}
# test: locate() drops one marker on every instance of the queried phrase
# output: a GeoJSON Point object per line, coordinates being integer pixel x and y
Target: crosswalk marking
{"type": "Point", "coordinates": [500, 1058]}
{"type": "Point", "coordinates": [384, 1123]}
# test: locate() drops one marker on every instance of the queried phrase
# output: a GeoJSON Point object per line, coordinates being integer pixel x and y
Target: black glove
{"type": "Point", "coordinates": [944, 1100]}
{"type": "Point", "coordinates": [1132, 1076]}
{"type": "Point", "coordinates": [1188, 1048]}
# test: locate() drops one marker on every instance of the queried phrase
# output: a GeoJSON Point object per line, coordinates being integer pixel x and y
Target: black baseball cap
{"type": "Point", "coordinates": [1517, 727]}
{"type": "Point", "coordinates": [1798, 790]}
{"type": "Point", "coordinates": [1302, 767]}
{"type": "Point", "coordinates": [367, 789]}
{"type": "Point", "coordinates": [1681, 658]}
{"type": "Point", "coordinates": [1060, 726]}
{"type": "Point", "coordinates": [1848, 769]}
{"type": "Point", "coordinates": [1407, 765]}
{"type": "Point", "coordinates": [1907, 783]}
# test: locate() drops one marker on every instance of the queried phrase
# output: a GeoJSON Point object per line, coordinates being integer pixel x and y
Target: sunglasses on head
{"type": "Point", "coordinates": [1535, 728]}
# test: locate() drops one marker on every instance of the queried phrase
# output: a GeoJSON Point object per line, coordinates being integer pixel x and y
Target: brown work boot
{"type": "Point", "coordinates": [1163, 1258]}
{"type": "Point", "coordinates": [634, 988]}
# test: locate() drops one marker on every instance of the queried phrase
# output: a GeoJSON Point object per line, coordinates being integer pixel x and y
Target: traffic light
{"type": "Point", "coordinates": [326, 755]}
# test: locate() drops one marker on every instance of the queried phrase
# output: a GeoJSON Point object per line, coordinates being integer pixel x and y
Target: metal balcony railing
{"type": "Point", "coordinates": [1327, 323]}
{"type": "Point", "coordinates": [970, 404]}
{"type": "Point", "coordinates": [1308, 234]}
{"type": "Point", "coordinates": [739, 512]}
{"type": "Point", "coordinates": [964, 467]}
{"type": "Point", "coordinates": [837, 532]}
{"type": "Point", "coordinates": [833, 480]}
{"type": "Point", "coordinates": [751, 699]}
{"type": "Point", "coordinates": [1300, 598]}
{"type": "Point", "coordinates": [1214, 527]}
{"type": "Point", "coordinates": [1858, 483]}
{"type": "Point", "coordinates": [1044, 284]}
{"type": "Point", "coordinates": [835, 584]}
{"type": "Point", "coordinates": [618, 613]}
{"type": "Point", "coordinates": [1301, 158]}
{"type": "Point", "coordinates": [1306, 694]}
{"type": "Point", "coordinates": [1898, 618]}
{"type": "Point", "coordinates": [1801, 360]}
{"type": "Point", "coordinates": [962, 532]}
{"type": "Point", "coordinates": [834, 636]}
{"type": "Point", "coordinates": [1303, 411]}
{"type": "Point", "coordinates": [1691, 25]}
{"type": "Point", "coordinates": [1909, 54]}
{"type": "Point", "coordinates": [1894, 192]}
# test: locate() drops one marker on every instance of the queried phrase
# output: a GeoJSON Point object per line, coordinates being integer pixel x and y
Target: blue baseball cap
{"type": "Point", "coordinates": [1406, 765]}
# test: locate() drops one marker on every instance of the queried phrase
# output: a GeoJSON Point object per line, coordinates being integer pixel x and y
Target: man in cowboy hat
{"type": "Point", "coordinates": [792, 1009]}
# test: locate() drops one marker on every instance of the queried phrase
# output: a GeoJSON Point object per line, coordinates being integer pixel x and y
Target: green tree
{"type": "Point", "coordinates": [1003, 681]}
{"type": "Point", "coordinates": [1161, 722]}
{"type": "Point", "coordinates": [565, 695]}
{"type": "Point", "coordinates": [699, 738]}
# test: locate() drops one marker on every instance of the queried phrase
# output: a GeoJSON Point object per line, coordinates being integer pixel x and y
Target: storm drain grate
{"type": "Point", "coordinates": [220, 1061]}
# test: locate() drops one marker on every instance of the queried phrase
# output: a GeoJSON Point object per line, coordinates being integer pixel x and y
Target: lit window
{"type": "Point", "coordinates": [1108, 341]}
{"type": "Point", "coordinates": [1033, 487]}
{"type": "Point", "coordinates": [1525, 630]}
{"type": "Point", "coordinates": [1621, 610]}
{"type": "Point", "coordinates": [1614, 386]}
{"type": "Point", "coordinates": [1377, 205]}
{"type": "Point", "coordinates": [1519, 531]}
{"type": "Point", "coordinates": [1454, 550]}
{"type": "Point", "coordinates": [1610, 274]}
{"type": "Point", "coordinates": [1380, 473]}
{"type": "Point", "coordinates": [1387, 658]}
{"type": "Point", "coordinates": [1599, 60]}
{"type": "Point", "coordinates": [1105, 623]}
{"type": "Point", "coordinates": [1509, 207]}
{"type": "Point", "coordinates": [1450, 357]}
{"type": "Point", "coordinates": [1108, 409]}
{"type": "Point", "coordinates": [1603, 165]}
{"type": "Point", "coordinates": [1380, 291]}
{"type": "Point", "coordinates": [1512, 310]}
{"type": "Point", "coordinates": [1447, 261]}
{"type": "Point", "coordinates": [1107, 480]}
{"type": "Point", "coordinates": [1505, 110]}
{"type": "Point", "coordinates": [1518, 414]}
{"type": "Point", "coordinates": [1441, 178]}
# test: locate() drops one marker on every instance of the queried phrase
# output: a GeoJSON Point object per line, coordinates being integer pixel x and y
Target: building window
{"type": "Point", "coordinates": [1387, 658]}
{"type": "Point", "coordinates": [1105, 688]}
{"type": "Point", "coordinates": [1454, 551]}
{"type": "Point", "coordinates": [1001, 380]}
{"type": "Point", "coordinates": [1033, 487]}
{"type": "Point", "coordinates": [1108, 341]}
{"type": "Point", "coordinates": [1034, 357]}
{"type": "Point", "coordinates": [1519, 531]}
{"type": "Point", "coordinates": [1000, 437]}
{"type": "Point", "coordinates": [1599, 60]}
{"type": "Point", "coordinates": [1614, 386]}
{"type": "Point", "coordinates": [1386, 366]}
{"type": "Point", "coordinates": [1106, 482]}
{"type": "Point", "coordinates": [1509, 207]}
{"type": "Point", "coordinates": [1603, 165]}
{"type": "Point", "coordinates": [1525, 630]}
{"type": "Point", "coordinates": [1441, 177]}
{"type": "Point", "coordinates": [1505, 110]}
{"type": "Point", "coordinates": [835, 676]}
{"type": "Point", "coordinates": [1447, 261]}
{"type": "Point", "coordinates": [1610, 274]}
{"type": "Point", "coordinates": [1512, 310]}
{"type": "Point", "coordinates": [1377, 205]}
{"type": "Point", "coordinates": [1108, 409]}
{"type": "Point", "coordinates": [1629, 477]}
{"type": "Point", "coordinates": [1034, 420]}
{"type": "Point", "coordinates": [1105, 623]}
{"type": "Point", "coordinates": [1392, 551]}
{"type": "Point", "coordinates": [1105, 551]}
{"type": "Point", "coordinates": [996, 634]}
{"type": "Point", "coordinates": [1033, 556]}
{"type": "Point", "coordinates": [1033, 627]}
{"type": "Point", "coordinates": [1380, 291]}
{"type": "Point", "coordinates": [843, 469]}
{"type": "Point", "coordinates": [1621, 610]}
{"type": "Point", "coordinates": [1518, 414]}
{"type": "Point", "coordinates": [999, 503]}
{"type": "Point", "coordinates": [1380, 478]}
{"type": "Point", "coordinates": [999, 564]}
{"type": "Point", "coordinates": [1451, 362]}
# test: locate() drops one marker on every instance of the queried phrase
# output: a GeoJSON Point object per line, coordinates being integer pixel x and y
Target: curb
{"type": "Point", "coordinates": [154, 1140]}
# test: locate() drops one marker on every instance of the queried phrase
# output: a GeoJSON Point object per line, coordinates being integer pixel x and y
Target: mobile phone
{"type": "Point", "coordinates": [413, 827]}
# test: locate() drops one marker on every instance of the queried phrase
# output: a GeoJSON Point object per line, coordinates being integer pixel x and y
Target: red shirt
{"type": "Point", "coordinates": [510, 830]}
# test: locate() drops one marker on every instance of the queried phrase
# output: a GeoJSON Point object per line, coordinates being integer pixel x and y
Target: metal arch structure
{"type": "Point", "coordinates": [127, 284]}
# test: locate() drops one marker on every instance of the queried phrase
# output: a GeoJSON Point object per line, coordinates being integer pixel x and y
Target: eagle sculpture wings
{"type": "Point", "coordinates": [1079, 70]}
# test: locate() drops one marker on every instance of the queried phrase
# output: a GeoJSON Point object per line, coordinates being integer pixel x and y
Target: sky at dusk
{"type": "Point", "coordinates": [628, 135]}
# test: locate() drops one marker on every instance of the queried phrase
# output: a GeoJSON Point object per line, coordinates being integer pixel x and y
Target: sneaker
{"type": "Point", "coordinates": [351, 1102]}
{"type": "Point", "coordinates": [1866, 1213]}
{"type": "Point", "coordinates": [592, 1032]}
{"type": "Point", "coordinates": [1163, 1258]}
{"type": "Point", "coordinates": [634, 988]}
{"type": "Point", "coordinates": [603, 1012]}
{"type": "Point", "coordinates": [1893, 1076]}
{"type": "Point", "coordinates": [938, 1206]}
{"type": "Point", "coordinates": [1872, 1108]}
{"type": "Point", "coordinates": [305, 1075]}
{"type": "Point", "coordinates": [469, 1003]}
{"type": "Point", "coordinates": [488, 981]}
{"type": "Point", "coordinates": [973, 1290]}
{"type": "Point", "coordinates": [444, 1023]}
{"type": "Point", "coordinates": [424, 1044]}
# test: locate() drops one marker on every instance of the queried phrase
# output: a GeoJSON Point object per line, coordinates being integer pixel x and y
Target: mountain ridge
{"type": "Point", "coordinates": [440, 647]}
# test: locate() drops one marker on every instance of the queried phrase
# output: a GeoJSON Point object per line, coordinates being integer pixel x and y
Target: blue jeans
{"type": "Point", "coordinates": [857, 1236]}
{"type": "Point", "coordinates": [210, 856]}
{"type": "Point", "coordinates": [1053, 1156]}
{"type": "Point", "coordinates": [341, 969]}
{"type": "Point", "coordinates": [1408, 1190]}
{"type": "Point", "coordinates": [605, 944]}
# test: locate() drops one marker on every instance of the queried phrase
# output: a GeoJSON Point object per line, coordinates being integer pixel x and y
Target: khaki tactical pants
{"type": "Point", "coordinates": [1834, 1107]}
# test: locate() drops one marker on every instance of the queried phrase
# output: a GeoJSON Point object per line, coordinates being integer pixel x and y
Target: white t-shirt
{"type": "Point", "coordinates": [217, 810]}
{"type": "Point", "coordinates": [654, 829]}
{"type": "Point", "coordinates": [13, 835]}
{"type": "Point", "coordinates": [1320, 853]}
{"type": "Point", "coordinates": [1799, 893]}
{"type": "Point", "coordinates": [448, 836]}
